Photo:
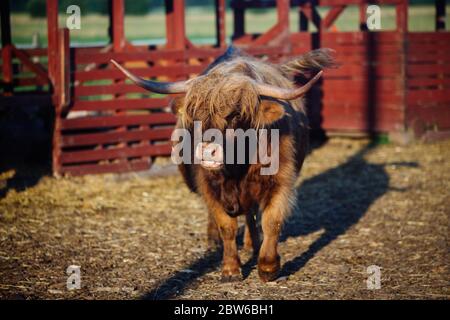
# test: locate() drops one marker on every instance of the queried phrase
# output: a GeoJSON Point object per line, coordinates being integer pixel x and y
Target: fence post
{"type": "Point", "coordinates": [239, 20]}
{"type": "Point", "coordinates": [440, 15]}
{"type": "Point", "coordinates": [283, 7]}
{"type": "Point", "coordinates": [116, 24]}
{"type": "Point", "coordinates": [61, 93]}
{"type": "Point", "coordinates": [7, 70]}
{"type": "Point", "coordinates": [175, 26]}
{"type": "Point", "coordinates": [220, 23]}
{"type": "Point", "coordinates": [52, 32]}
{"type": "Point", "coordinates": [283, 13]}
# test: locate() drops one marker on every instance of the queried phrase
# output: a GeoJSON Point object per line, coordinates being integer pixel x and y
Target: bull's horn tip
{"type": "Point", "coordinates": [317, 76]}
{"type": "Point", "coordinates": [114, 62]}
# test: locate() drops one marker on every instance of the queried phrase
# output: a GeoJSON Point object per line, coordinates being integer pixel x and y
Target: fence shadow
{"type": "Point", "coordinates": [332, 201]}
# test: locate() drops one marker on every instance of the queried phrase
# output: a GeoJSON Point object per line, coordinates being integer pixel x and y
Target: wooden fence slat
{"type": "Point", "coordinates": [121, 120]}
{"type": "Point", "coordinates": [383, 85]}
{"type": "Point", "coordinates": [35, 52]}
{"type": "Point", "coordinates": [356, 105]}
{"type": "Point", "coordinates": [428, 37]}
{"type": "Point", "coordinates": [343, 50]}
{"type": "Point", "coordinates": [362, 98]}
{"type": "Point", "coordinates": [426, 96]}
{"type": "Point", "coordinates": [113, 88]}
{"type": "Point", "coordinates": [26, 60]}
{"type": "Point", "coordinates": [82, 57]}
{"type": "Point", "coordinates": [120, 104]}
{"type": "Point", "coordinates": [428, 47]}
{"type": "Point", "coordinates": [361, 38]}
{"type": "Point", "coordinates": [25, 82]}
{"type": "Point", "coordinates": [106, 154]}
{"type": "Point", "coordinates": [424, 82]}
{"type": "Point", "coordinates": [362, 59]}
{"type": "Point", "coordinates": [169, 71]}
{"type": "Point", "coordinates": [430, 57]}
{"type": "Point", "coordinates": [331, 16]}
{"type": "Point", "coordinates": [121, 167]}
{"type": "Point", "coordinates": [143, 54]}
{"type": "Point", "coordinates": [421, 70]}
{"type": "Point", "coordinates": [380, 48]}
{"type": "Point", "coordinates": [115, 136]}
{"type": "Point", "coordinates": [358, 71]}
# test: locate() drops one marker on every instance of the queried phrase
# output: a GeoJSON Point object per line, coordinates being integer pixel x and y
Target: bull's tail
{"type": "Point", "coordinates": [310, 63]}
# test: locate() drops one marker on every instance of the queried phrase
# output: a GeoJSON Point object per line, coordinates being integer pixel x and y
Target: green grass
{"type": "Point", "coordinates": [381, 139]}
{"type": "Point", "coordinates": [200, 24]}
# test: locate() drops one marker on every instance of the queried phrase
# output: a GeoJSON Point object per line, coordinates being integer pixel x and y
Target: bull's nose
{"type": "Point", "coordinates": [210, 155]}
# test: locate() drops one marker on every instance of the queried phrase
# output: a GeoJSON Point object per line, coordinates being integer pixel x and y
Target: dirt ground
{"type": "Point", "coordinates": [143, 235]}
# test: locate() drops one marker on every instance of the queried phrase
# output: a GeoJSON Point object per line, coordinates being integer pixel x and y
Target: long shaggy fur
{"type": "Point", "coordinates": [226, 88]}
{"type": "Point", "coordinates": [311, 62]}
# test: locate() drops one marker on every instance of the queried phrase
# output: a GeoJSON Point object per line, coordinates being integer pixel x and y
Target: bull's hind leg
{"type": "Point", "coordinates": [251, 235]}
{"type": "Point", "coordinates": [212, 232]}
{"type": "Point", "coordinates": [271, 221]}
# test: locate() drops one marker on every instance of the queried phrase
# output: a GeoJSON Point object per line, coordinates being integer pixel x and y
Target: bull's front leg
{"type": "Point", "coordinates": [231, 265]}
{"type": "Point", "coordinates": [231, 268]}
{"type": "Point", "coordinates": [272, 221]}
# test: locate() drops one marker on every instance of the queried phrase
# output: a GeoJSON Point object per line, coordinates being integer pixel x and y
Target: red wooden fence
{"type": "Point", "coordinates": [389, 81]}
{"type": "Point", "coordinates": [427, 99]}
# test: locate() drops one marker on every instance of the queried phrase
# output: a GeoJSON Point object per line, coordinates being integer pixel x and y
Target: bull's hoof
{"type": "Point", "coordinates": [231, 278]}
{"type": "Point", "coordinates": [269, 271]}
{"type": "Point", "coordinates": [267, 276]}
{"type": "Point", "coordinates": [231, 273]}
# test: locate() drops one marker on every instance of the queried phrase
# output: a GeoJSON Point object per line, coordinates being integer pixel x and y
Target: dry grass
{"type": "Point", "coordinates": [136, 236]}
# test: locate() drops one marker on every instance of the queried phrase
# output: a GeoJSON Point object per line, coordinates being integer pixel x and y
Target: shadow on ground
{"type": "Point", "coordinates": [25, 146]}
{"type": "Point", "coordinates": [332, 201]}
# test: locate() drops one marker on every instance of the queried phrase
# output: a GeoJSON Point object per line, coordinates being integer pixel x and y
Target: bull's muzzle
{"type": "Point", "coordinates": [210, 155]}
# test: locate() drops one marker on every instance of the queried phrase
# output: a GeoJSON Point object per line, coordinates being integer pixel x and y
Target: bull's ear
{"type": "Point", "coordinates": [269, 112]}
{"type": "Point", "coordinates": [176, 104]}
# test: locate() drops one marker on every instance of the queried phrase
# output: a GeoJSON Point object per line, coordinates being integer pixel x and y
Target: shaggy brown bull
{"type": "Point", "coordinates": [240, 92]}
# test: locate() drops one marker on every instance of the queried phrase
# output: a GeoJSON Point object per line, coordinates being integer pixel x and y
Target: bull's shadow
{"type": "Point", "coordinates": [332, 201]}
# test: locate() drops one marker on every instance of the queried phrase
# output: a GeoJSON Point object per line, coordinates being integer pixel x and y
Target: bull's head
{"type": "Point", "coordinates": [233, 94]}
